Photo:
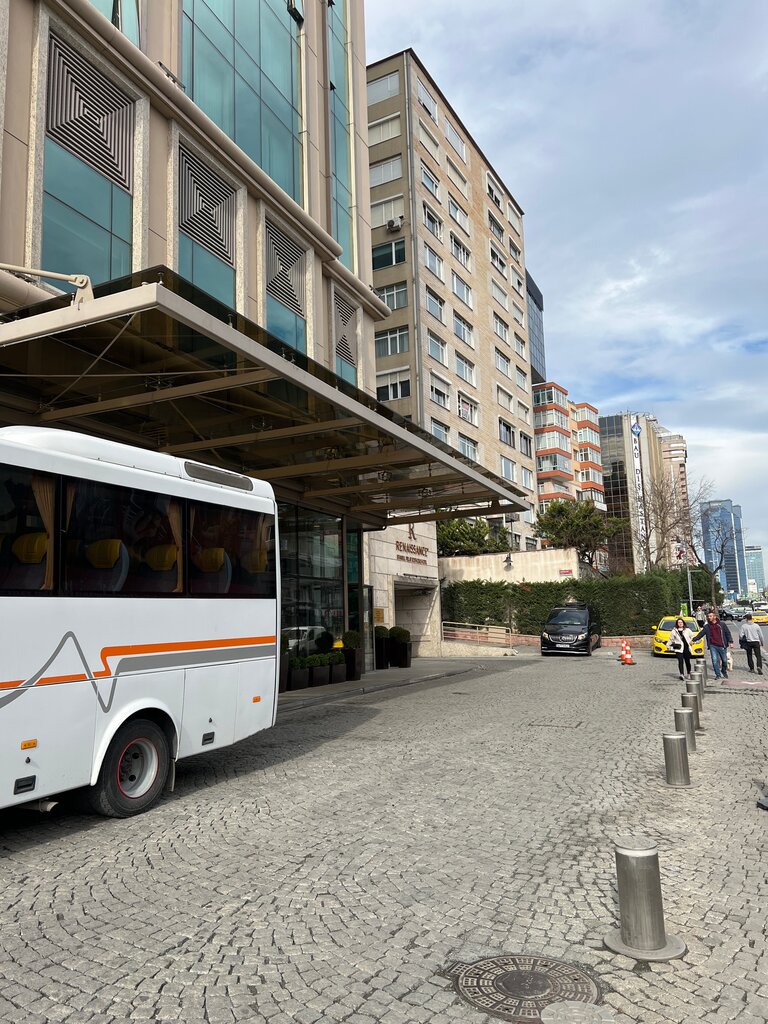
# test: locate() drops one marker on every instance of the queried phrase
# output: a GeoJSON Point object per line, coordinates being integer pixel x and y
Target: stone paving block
{"type": "Point", "coordinates": [328, 870]}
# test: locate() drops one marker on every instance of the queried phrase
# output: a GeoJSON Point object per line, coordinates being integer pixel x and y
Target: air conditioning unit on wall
{"type": "Point", "coordinates": [395, 225]}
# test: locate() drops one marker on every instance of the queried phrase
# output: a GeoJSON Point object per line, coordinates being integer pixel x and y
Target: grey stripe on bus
{"type": "Point", "coordinates": [139, 663]}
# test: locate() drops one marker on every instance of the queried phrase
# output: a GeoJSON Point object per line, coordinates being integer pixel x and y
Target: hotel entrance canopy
{"type": "Point", "coordinates": [154, 362]}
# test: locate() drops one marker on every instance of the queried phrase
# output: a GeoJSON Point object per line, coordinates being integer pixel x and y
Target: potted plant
{"type": "Point", "coordinates": [319, 669]}
{"type": "Point", "coordinates": [381, 646]}
{"type": "Point", "coordinates": [353, 653]}
{"type": "Point", "coordinates": [298, 674]}
{"type": "Point", "coordinates": [400, 647]}
{"type": "Point", "coordinates": [338, 666]}
{"type": "Point", "coordinates": [284, 660]}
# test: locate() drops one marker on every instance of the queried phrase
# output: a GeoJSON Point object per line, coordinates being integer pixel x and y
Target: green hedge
{"type": "Point", "coordinates": [628, 604]}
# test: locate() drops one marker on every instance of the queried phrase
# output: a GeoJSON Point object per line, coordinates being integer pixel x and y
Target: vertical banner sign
{"type": "Point", "coordinates": [641, 524]}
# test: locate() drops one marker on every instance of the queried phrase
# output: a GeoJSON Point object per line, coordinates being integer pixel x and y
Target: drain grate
{"type": "Point", "coordinates": [517, 987]}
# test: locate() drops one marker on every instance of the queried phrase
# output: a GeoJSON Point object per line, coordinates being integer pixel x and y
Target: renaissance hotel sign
{"type": "Point", "coordinates": [414, 553]}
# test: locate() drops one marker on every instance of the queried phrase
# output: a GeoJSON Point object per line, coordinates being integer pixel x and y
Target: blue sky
{"type": "Point", "coordinates": [634, 137]}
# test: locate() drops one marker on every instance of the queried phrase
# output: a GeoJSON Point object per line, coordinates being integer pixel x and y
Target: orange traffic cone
{"type": "Point", "coordinates": [623, 653]}
{"type": "Point", "coordinates": [628, 655]}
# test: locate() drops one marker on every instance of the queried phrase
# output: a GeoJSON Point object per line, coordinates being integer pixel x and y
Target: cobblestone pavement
{"type": "Point", "coordinates": [330, 869]}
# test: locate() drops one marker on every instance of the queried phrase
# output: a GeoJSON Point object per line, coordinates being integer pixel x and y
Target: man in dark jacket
{"type": "Point", "coordinates": [719, 639]}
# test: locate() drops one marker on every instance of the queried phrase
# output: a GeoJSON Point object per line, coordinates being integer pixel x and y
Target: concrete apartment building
{"type": "Point", "coordinates": [448, 259]}
{"type": "Point", "coordinates": [206, 165]}
{"type": "Point", "coordinates": [569, 463]}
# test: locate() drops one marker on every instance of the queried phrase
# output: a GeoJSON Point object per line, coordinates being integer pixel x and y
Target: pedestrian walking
{"type": "Point", "coordinates": [719, 640]}
{"type": "Point", "coordinates": [680, 642]}
{"type": "Point", "coordinates": [701, 616]}
{"type": "Point", "coordinates": [752, 640]}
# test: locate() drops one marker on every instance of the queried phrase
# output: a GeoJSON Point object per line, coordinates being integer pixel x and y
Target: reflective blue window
{"type": "Point", "coordinates": [286, 325]}
{"type": "Point", "coordinates": [340, 120]}
{"type": "Point", "coordinates": [241, 65]}
{"type": "Point", "coordinates": [87, 221]}
{"type": "Point", "coordinates": [124, 14]}
{"type": "Point", "coordinates": [346, 370]}
{"type": "Point", "coordinates": [205, 270]}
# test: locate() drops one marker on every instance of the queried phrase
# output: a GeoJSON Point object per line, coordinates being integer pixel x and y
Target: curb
{"type": "Point", "coordinates": [358, 691]}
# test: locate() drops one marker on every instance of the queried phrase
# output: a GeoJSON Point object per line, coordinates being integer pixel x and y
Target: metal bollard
{"type": "Point", "coordinates": [642, 934]}
{"type": "Point", "coordinates": [690, 700]}
{"type": "Point", "coordinates": [676, 759]}
{"type": "Point", "coordinates": [684, 723]}
{"type": "Point", "coordinates": [573, 1012]}
{"type": "Point", "coordinates": [696, 686]}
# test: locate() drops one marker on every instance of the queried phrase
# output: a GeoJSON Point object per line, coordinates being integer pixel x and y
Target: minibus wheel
{"type": "Point", "coordinates": [134, 771]}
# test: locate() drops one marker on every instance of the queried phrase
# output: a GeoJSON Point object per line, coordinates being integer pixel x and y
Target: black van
{"type": "Point", "coordinates": [571, 629]}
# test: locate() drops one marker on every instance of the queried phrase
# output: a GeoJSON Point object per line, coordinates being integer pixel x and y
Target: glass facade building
{"type": "Point", "coordinates": [340, 121]}
{"type": "Point", "coordinates": [124, 14]}
{"type": "Point", "coordinates": [613, 445]}
{"type": "Point", "coordinates": [241, 64]}
{"type": "Point", "coordinates": [724, 542]}
{"type": "Point", "coordinates": [535, 302]}
{"type": "Point", "coordinates": [753, 557]}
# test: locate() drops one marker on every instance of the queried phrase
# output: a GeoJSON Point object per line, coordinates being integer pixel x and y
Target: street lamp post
{"type": "Point", "coordinates": [682, 552]}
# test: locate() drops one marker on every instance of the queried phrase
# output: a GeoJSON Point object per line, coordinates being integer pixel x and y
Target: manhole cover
{"type": "Point", "coordinates": [517, 987]}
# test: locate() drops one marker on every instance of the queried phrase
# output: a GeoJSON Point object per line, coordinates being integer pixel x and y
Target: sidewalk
{"type": "Point", "coordinates": [423, 670]}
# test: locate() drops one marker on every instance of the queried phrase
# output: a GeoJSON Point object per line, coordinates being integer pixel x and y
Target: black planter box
{"type": "Point", "coordinates": [353, 656]}
{"type": "Point", "coordinates": [400, 654]}
{"type": "Point", "coordinates": [298, 679]}
{"type": "Point", "coordinates": [381, 649]}
{"type": "Point", "coordinates": [320, 676]}
{"type": "Point", "coordinates": [339, 673]}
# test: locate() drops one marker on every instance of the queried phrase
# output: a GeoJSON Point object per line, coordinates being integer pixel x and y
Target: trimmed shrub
{"type": "Point", "coordinates": [316, 660]}
{"type": "Point", "coordinates": [399, 635]}
{"type": "Point", "coordinates": [380, 631]}
{"type": "Point", "coordinates": [351, 639]}
{"type": "Point", "coordinates": [627, 604]}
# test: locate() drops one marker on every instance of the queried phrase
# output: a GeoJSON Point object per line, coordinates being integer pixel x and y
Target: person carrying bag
{"type": "Point", "coordinates": [681, 642]}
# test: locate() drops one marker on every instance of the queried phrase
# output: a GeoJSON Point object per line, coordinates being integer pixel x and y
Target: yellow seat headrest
{"type": "Point", "coordinates": [162, 557]}
{"type": "Point", "coordinates": [31, 548]}
{"type": "Point", "coordinates": [103, 554]}
{"type": "Point", "coordinates": [254, 561]}
{"type": "Point", "coordinates": [209, 559]}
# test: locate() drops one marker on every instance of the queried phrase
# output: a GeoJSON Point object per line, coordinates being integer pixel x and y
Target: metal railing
{"type": "Point", "coordinates": [472, 633]}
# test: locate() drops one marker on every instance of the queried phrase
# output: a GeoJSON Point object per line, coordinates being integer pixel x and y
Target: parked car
{"type": "Point", "coordinates": [301, 639]}
{"type": "Point", "coordinates": [732, 614]}
{"type": "Point", "coordinates": [571, 629]}
{"type": "Point", "coordinates": [665, 627]}
{"type": "Point", "coordinates": [761, 617]}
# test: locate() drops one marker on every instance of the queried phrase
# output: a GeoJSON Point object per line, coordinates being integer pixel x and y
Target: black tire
{"type": "Point", "coordinates": [134, 770]}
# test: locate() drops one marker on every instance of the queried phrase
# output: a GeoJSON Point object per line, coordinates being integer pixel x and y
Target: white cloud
{"type": "Point", "coordinates": [633, 137]}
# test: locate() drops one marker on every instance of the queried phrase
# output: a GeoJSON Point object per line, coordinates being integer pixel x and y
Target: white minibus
{"type": "Point", "coordinates": [139, 608]}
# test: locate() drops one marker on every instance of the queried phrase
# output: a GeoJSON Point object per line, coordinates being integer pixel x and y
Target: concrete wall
{"type": "Point", "coordinates": [552, 565]}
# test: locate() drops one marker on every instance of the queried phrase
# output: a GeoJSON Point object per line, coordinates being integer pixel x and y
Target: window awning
{"type": "Point", "coordinates": [155, 362]}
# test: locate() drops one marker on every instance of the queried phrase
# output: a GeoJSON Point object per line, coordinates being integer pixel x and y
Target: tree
{"type": "Point", "coordinates": [577, 524]}
{"type": "Point", "coordinates": [662, 519]}
{"type": "Point", "coordinates": [469, 537]}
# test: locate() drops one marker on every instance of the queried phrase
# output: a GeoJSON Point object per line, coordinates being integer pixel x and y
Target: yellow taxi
{"type": "Point", "coordinates": [662, 631]}
{"type": "Point", "coordinates": [761, 617]}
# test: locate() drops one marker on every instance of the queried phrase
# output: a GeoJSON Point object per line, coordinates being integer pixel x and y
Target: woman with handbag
{"type": "Point", "coordinates": [681, 641]}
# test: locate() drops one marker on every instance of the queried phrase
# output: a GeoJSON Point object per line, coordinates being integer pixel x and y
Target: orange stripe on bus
{"type": "Point", "coordinates": [133, 649]}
